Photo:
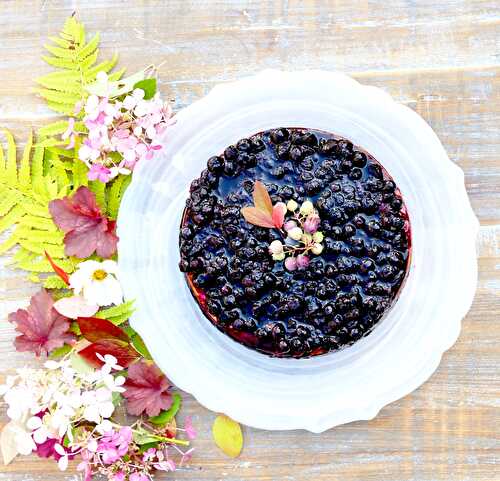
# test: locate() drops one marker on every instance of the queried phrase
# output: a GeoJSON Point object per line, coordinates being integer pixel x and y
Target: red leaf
{"type": "Point", "coordinates": [94, 329]}
{"type": "Point", "coordinates": [123, 352]}
{"type": "Point", "coordinates": [279, 211]}
{"type": "Point", "coordinates": [261, 199]}
{"type": "Point", "coordinates": [257, 217]}
{"type": "Point", "coordinates": [146, 389]}
{"type": "Point", "coordinates": [42, 328]}
{"type": "Point", "coordinates": [87, 230]}
{"type": "Point", "coordinates": [62, 274]}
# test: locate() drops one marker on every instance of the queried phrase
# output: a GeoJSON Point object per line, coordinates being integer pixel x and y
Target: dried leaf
{"type": "Point", "coordinates": [146, 389]}
{"type": "Point", "coordinates": [227, 435]}
{"type": "Point", "coordinates": [257, 217]}
{"type": "Point", "coordinates": [42, 328]}
{"type": "Point", "coordinates": [123, 352]}
{"type": "Point", "coordinates": [261, 199]}
{"type": "Point", "coordinates": [8, 442]}
{"type": "Point", "coordinates": [94, 329]}
{"type": "Point", "coordinates": [60, 272]}
{"type": "Point", "coordinates": [279, 211]}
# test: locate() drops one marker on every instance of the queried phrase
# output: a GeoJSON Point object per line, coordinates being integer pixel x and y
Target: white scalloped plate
{"type": "Point", "coordinates": [314, 394]}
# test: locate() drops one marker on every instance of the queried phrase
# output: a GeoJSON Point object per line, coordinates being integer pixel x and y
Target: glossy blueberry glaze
{"type": "Point", "coordinates": [343, 292]}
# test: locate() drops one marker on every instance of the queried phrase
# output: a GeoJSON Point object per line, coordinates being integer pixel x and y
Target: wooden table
{"type": "Point", "coordinates": [442, 58]}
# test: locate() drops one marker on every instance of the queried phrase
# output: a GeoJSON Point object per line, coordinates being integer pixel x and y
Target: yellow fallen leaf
{"type": "Point", "coordinates": [227, 435]}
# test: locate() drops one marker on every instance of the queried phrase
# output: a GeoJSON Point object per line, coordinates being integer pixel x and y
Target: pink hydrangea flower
{"type": "Point", "coordinates": [99, 172]}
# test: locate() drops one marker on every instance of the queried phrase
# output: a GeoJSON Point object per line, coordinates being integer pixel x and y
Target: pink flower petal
{"type": "Point", "coordinates": [279, 211]}
{"type": "Point", "coordinates": [74, 307]}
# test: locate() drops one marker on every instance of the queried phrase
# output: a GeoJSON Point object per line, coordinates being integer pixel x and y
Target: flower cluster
{"type": "Point", "coordinates": [66, 410]}
{"type": "Point", "coordinates": [302, 236]}
{"type": "Point", "coordinates": [49, 404]}
{"type": "Point", "coordinates": [121, 131]}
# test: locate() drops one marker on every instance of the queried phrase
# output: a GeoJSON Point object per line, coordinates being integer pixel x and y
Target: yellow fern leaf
{"type": "Point", "coordinates": [54, 282]}
{"type": "Point", "coordinates": [37, 167]}
{"type": "Point", "coordinates": [66, 109]}
{"type": "Point", "coordinates": [40, 223]}
{"type": "Point", "coordinates": [11, 218]}
{"type": "Point", "coordinates": [58, 170]}
{"type": "Point", "coordinates": [99, 189]}
{"type": "Point", "coordinates": [54, 251]}
{"type": "Point", "coordinates": [8, 244]}
{"type": "Point", "coordinates": [55, 128]}
{"type": "Point", "coordinates": [11, 165]}
{"type": "Point", "coordinates": [60, 62]}
{"type": "Point", "coordinates": [63, 53]}
{"type": "Point", "coordinates": [25, 168]}
{"type": "Point", "coordinates": [79, 174]}
{"type": "Point", "coordinates": [88, 49]}
{"type": "Point", "coordinates": [105, 66]}
{"type": "Point", "coordinates": [55, 237]}
{"type": "Point", "coordinates": [59, 97]}
{"type": "Point", "coordinates": [89, 61]}
{"type": "Point", "coordinates": [8, 201]}
{"type": "Point", "coordinates": [60, 41]}
{"type": "Point", "coordinates": [116, 75]}
{"type": "Point", "coordinates": [116, 192]}
{"type": "Point", "coordinates": [67, 86]}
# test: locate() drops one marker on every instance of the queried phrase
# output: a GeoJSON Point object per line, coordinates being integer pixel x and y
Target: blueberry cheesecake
{"type": "Point", "coordinates": [294, 242]}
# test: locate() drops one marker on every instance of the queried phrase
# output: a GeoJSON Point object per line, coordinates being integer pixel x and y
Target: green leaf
{"type": "Point", "coordinates": [141, 437]}
{"type": "Point", "coordinates": [144, 447]}
{"type": "Point", "coordinates": [121, 311]}
{"type": "Point", "coordinates": [79, 364]}
{"type": "Point", "coordinates": [60, 351]}
{"type": "Point", "coordinates": [166, 416]}
{"type": "Point", "coordinates": [117, 88]}
{"type": "Point", "coordinates": [140, 347]}
{"type": "Point", "coordinates": [227, 435]}
{"type": "Point", "coordinates": [148, 85]}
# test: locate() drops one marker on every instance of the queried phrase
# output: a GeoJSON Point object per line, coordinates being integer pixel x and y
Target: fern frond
{"type": "Point", "coordinates": [117, 314]}
{"type": "Point", "coordinates": [99, 189]}
{"type": "Point", "coordinates": [54, 282]}
{"type": "Point", "coordinates": [116, 192]}
{"type": "Point", "coordinates": [25, 194]}
{"type": "Point", "coordinates": [55, 128]}
{"type": "Point", "coordinates": [25, 168]}
{"type": "Point", "coordinates": [76, 60]}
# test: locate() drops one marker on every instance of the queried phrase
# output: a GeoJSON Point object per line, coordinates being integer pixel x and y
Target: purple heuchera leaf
{"type": "Point", "coordinates": [146, 389]}
{"type": "Point", "coordinates": [42, 328]}
{"type": "Point", "coordinates": [87, 230]}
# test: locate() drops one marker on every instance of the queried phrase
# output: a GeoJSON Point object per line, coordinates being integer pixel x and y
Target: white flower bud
{"type": "Point", "coordinates": [295, 233]}
{"type": "Point", "coordinates": [307, 207]}
{"type": "Point", "coordinates": [306, 238]}
{"type": "Point", "coordinates": [276, 247]}
{"type": "Point", "coordinates": [317, 249]}
{"type": "Point", "coordinates": [291, 205]}
{"type": "Point", "coordinates": [318, 236]}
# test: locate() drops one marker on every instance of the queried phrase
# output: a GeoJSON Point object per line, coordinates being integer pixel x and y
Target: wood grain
{"type": "Point", "coordinates": [440, 58]}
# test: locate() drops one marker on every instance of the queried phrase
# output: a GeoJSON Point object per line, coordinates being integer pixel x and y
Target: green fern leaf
{"type": "Point", "coordinates": [25, 168]}
{"type": "Point", "coordinates": [11, 165]}
{"type": "Point", "coordinates": [60, 62]}
{"type": "Point", "coordinates": [54, 282]}
{"type": "Point", "coordinates": [59, 41]}
{"type": "Point", "coordinates": [116, 192]}
{"type": "Point", "coordinates": [66, 109]}
{"type": "Point", "coordinates": [9, 200]}
{"type": "Point", "coordinates": [99, 189]}
{"type": "Point", "coordinates": [116, 75]}
{"type": "Point", "coordinates": [76, 60]}
{"type": "Point", "coordinates": [117, 314]}
{"type": "Point", "coordinates": [55, 128]}
{"type": "Point", "coordinates": [11, 218]}
{"type": "Point", "coordinates": [90, 48]}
